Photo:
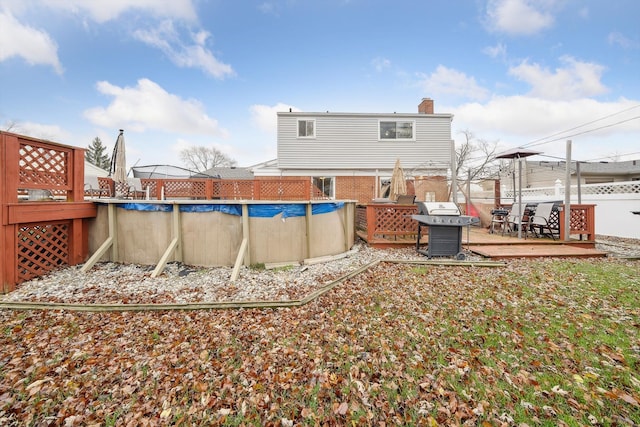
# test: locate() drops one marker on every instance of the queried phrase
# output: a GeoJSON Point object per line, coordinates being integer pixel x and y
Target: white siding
{"type": "Point", "coordinates": [350, 141]}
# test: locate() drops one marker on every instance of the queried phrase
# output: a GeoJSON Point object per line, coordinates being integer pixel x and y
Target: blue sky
{"type": "Point", "coordinates": [180, 73]}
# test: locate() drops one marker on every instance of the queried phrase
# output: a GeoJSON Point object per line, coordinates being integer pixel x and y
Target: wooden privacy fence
{"type": "Point", "coordinates": [43, 208]}
{"type": "Point", "coordinates": [227, 189]}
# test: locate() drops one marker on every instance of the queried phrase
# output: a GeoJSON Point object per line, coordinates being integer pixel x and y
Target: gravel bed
{"type": "Point", "coordinates": [113, 283]}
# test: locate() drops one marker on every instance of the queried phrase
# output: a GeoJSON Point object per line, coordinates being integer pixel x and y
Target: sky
{"type": "Point", "coordinates": [182, 73]}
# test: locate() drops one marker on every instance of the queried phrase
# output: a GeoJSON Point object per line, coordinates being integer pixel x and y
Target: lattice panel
{"type": "Point", "coordinates": [233, 189]}
{"type": "Point", "coordinates": [613, 188]}
{"type": "Point", "coordinates": [43, 166]}
{"type": "Point", "coordinates": [198, 189]}
{"type": "Point", "coordinates": [184, 188]}
{"type": "Point", "coordinates": [41, 249]}
{"type": "Point", "coordinates": [151, 184]}
{"type": "Point", "coordinates": [395, 220]}
{"type": "Point", "coordinates": [361, 217]}
{"type": "Point", "coordinates": [282, 190]}
{"type": "Point", "coordinates": [578, 220]}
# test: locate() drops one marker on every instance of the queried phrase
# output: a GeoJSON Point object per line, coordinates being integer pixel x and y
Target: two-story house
{"type": "Point", "coordinates": [350, 155]}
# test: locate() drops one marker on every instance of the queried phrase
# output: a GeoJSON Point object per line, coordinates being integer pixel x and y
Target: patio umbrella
{"type": "Point", "coordinates": [119, 166]}
{"type": "Point", "coordinates": [518, 153]}
{"type": "Point", "coordinates": [398, 182]}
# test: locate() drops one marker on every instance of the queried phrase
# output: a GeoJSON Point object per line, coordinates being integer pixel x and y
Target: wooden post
{"type": "Point", "coordinates": [11, 168]}
{"type": "Point", "coordinates": [76, 175]}
{"type": "Point", "coordinates": [76, 241]}
{"type": "Point", "coordinates": [159, 187]}
{"type": "Point", "coordinates": [257, 193]}
{"type": "Point", "coordinates": [209, 189]}
{"type": "Point", "coordinates": [10, 258]}
{"type": "Point", "coordinates": [371, 222]}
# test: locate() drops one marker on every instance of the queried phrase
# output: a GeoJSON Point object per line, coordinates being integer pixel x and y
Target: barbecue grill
{"type": "Point", "coordinates": [445, 228]}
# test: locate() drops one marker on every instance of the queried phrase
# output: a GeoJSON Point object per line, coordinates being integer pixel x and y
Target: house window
{"type": "Point", "coordinates": [396, 130]}
{"type": "Point", "coordinates": [306, 128]}
{"type": "Point", "coordinates": [323, 187]}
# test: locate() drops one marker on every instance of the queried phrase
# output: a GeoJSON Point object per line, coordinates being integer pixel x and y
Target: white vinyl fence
{"type": "Point", "coordinates": [617, 204]}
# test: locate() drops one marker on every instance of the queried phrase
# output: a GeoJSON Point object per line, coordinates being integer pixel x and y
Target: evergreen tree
{"type": "Point", "coordinates": [96, 155]}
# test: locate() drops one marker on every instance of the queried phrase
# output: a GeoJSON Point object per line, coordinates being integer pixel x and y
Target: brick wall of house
{"type": "Point", "coordinates": [360, 188]}
{"type": "Point", "coordinates": [363, 188]}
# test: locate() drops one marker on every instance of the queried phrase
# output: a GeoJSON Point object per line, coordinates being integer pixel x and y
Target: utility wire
{"type": "Point", "coordinates": [582, 125]}
{"type": "Point", "coordinates": [531, 144]}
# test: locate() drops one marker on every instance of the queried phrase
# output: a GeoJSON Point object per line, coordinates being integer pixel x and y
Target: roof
{"type": "Point", "coordinates": [229, 173]}
{"type": "Point", "coordinates": [162, 171]}
{"type": "Point", "coordinates": [92, 170]}
{"type": "Point", "coordinates": [384, 115]}
{"type": "Point", "coordinates": [630, 167]}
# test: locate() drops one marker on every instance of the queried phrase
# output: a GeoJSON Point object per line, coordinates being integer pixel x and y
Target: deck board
{"type": "Point", "coordinates": [497, 246]}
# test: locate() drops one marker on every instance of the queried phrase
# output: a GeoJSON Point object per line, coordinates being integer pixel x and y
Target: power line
{"type": "Point", "coordinates": [582, 133]}
{"type": "Point", "coordinates": [578, 127]}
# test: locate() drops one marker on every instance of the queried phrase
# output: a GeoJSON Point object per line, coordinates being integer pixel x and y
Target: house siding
{"type": "Point", "coordinates": [350, 141]}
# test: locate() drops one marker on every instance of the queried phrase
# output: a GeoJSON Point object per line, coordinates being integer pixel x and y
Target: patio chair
{"type": "Point", "coordinates": [107, 184]}
{"type": "Point", "coordinates": [516, 219]}
{"type": "Point", "coordinates": [541, 221]}
{"type": "Point", "coordinates": [135, 190]}
{"type": "Point", "coordinates": [498, 220]}
{"type": "Point", "coordinates": [92, 187]}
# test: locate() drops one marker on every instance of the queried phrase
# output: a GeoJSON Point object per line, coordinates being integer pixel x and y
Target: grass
{"type": "Point", "coordinates": [549, 342]}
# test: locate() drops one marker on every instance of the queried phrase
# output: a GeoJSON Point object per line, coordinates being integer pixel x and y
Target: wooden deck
{"type": "Point", "coordinates": [496, 246]}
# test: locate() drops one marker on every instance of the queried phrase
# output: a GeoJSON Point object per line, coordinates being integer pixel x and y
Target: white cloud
{"type": "Point", "coordinates": [30, 44]}
{"type": "Point", "coordinates": [265, 116]}
{"type": "Point", "coordinates": [268, 8]}
{"type": "Point", "coordinates": [149, 106]}
{"type": "Point", "coordinates": [519, 120]}
{"type": "Point", "coordinates": [621, 40]}
{"type": "Point", "coordinates": [497, 51]}
{"type": "Point", "coordinates": [518, 17]}
{"type": "Point", "coordinates": [195, 55]}
{"type": "Point", "coordinates": [380, 64]}
{"type": "Point", "coordinates": [104, 11]}
{"type": "Point", "coordinates": [575, 80]}
{"type": "Point", "coordinates": [38, 130]}
{"type": "Point", "coordinates": [448, 81]}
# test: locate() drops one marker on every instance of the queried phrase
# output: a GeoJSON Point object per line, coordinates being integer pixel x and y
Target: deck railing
{"type": "Point", "coordinates": [223, 189]}
{"type": "Point", "coordinates": [390, 224]}
{"type": "Point", "coordinates": [42, 201]}
{"type": "Point", "coordinates": [387, 223]}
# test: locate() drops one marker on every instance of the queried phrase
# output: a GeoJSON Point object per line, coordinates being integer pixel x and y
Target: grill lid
{"type": "Point", "coordinates": [438, 208]}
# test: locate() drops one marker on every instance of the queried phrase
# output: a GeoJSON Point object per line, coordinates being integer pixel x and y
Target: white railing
{"type": "Point", "coordinates": [626, 188]}
{"type": "Point", "coordinates": [616, 204]}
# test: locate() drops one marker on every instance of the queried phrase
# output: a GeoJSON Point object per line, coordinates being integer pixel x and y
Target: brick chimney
{"type": "Point", "coordinates": [426, 106]}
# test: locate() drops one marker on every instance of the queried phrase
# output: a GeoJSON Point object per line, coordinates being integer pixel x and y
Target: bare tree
{"type": "Point", "coordinates": [203, 158]}
{"type": "Point", "coordinates": [476, 158]}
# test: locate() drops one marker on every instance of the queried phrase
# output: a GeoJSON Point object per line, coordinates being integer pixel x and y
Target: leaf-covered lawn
{"type": "Point", "coordinates": [537, 342]}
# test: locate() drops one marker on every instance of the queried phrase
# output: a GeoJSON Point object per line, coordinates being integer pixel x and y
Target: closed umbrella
{"type": "Point", "coordinates": [398, 182]}
{"type": "Point", "coordinates": [119, 166]}
{"type": "Point", "coordinates": [518, 153]}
